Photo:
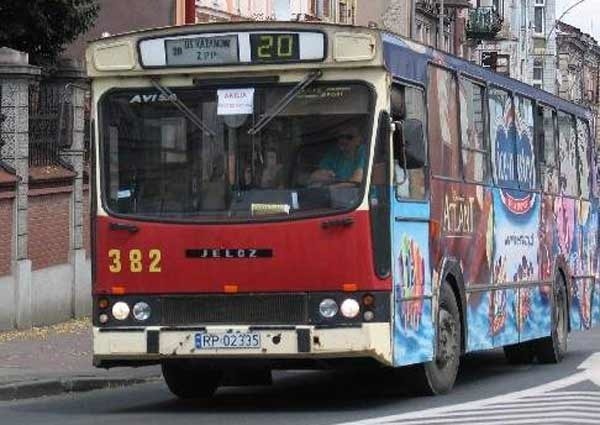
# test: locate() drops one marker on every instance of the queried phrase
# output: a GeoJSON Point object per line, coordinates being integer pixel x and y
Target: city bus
{"type": "Point", "coordinates": [270, 195]}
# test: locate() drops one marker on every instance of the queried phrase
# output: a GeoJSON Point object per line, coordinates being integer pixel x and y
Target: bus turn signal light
{"type": "Point", "coordinates": [102, 303]}
{"type": "Point", "coordinates": [118, 290]}
{"type": "Point", "coordinates": [350, 287]}
{"type": "Point", "coordinates": [230, 289]}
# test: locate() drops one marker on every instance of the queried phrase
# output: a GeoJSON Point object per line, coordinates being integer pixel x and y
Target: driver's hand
{"type": "Point", "coordinates": [322, 176]}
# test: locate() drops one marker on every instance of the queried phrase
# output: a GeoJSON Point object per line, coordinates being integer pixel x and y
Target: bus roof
{"type": "Point", "coordinates": [398, 49]}
{"type": "Point", "coordinates": [404, 58]}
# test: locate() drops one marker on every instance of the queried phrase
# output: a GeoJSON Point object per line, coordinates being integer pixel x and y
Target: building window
{"type": "Point", "coordinates": [346, 12]}
{"type": "Point", "coordinates": [503, 65]}
{"type": "Point", "coordinates": [539, 16]}
{"type": "Point", "coordinates": [538, 73]}
{"type": "Point", "coordinates": [499, 6]}
{"type": "Point", "coordinates": [324, 8]}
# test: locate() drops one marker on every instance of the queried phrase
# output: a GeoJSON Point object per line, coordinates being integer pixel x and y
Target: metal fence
{"type": "Point", "coordinates": [48, 123]}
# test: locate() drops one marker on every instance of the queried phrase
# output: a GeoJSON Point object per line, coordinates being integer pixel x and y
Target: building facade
{"type": "Point", "coordinates": [578, 74]}
{"type": "Point", "coordinates": [436, 23]}
{"type": "Point", "coordinates": [339, 11]}
{"type": "Point", "coordinates": [516, 38]}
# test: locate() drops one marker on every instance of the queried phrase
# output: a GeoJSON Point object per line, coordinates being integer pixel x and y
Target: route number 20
{"type": "Point", "coordinates": [136, 261]}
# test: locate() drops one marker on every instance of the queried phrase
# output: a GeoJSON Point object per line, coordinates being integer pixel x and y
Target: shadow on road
{"type": "Point", "coordinates": [337, 390]}
{"type": "Point", "coordinates": [307, 396]}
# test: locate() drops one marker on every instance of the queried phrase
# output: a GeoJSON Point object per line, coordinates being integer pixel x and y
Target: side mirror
{"type": "Point", "coordinates": [409, 143]}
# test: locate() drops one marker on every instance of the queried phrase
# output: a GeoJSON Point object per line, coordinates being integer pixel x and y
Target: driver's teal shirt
{"type": "Point", "coordinates": [342, 165]}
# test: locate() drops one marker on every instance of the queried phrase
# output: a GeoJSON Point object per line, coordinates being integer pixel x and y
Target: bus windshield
{"type": "Point", "coordinates": [189, 153]}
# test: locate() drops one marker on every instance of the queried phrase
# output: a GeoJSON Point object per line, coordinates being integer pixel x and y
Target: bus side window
{"type": "Point", "coordinates": [472, 118]}
{"type": "Point", "coordinates": [408, 111]}
{"type": "Point", "coordinates": [567, 148]}
{"type": "Point", "coordinates": [583, 155]}
{"type": "Point", "coordinates": [525, 144]}
{"type": "Point", "coordinates": [546, 131]}
{"type": "Point", "coordinates": [502, 137]}
{"type": "Point", "coordinates": [443, 124]}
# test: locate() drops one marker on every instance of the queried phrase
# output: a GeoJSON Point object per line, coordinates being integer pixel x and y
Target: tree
{"type": "Point", "coordinates": [43, 27]}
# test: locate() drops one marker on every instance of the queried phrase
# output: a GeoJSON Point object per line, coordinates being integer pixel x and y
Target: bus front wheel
{"type": "Point", "coordinates": [438, 375]}
{"type": "Point", "coordinates": [187, 381]}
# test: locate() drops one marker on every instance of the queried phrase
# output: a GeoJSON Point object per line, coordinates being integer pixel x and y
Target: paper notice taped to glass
{"type": "Point", "coordinates": [267, 209]}
{"type": "Point", "coordinates": [235, 101]}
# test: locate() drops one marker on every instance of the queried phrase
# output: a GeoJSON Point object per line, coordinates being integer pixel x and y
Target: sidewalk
{"type": "Point", "coordinates": [57, 359]}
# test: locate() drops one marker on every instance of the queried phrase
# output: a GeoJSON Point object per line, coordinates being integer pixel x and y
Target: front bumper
{"type": "Point", "coordinates": [370, 340]}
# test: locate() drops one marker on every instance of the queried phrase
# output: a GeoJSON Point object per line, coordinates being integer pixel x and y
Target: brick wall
{"type": "Point", "coordinates": [6, 235]}
{"type": "Point", "coordinates": [86, 223]}
{"type": "Point", "coordinates": [49, 224]}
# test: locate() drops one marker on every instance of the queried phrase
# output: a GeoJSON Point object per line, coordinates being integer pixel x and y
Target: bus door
{"type": "Point", "coordinates": [413, 331]}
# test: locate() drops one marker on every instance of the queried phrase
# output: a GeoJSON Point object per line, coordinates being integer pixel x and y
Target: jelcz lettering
{"type": "Point", "coordinates": [228, 253]}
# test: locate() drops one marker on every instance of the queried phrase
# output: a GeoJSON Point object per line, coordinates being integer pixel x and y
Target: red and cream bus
{"type": "Point", "coordinates": [283, 195]}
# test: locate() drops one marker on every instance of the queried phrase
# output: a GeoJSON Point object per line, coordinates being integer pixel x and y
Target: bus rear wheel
{"type": "Point", "coordinates": [553, 348]}
{"type": "Point", "coordinates": [188, 381]}
{"type": "Point", "coordinates": [438, 376]}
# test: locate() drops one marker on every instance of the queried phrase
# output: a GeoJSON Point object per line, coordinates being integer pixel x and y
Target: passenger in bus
{"type": "Point", "coordinates": [345, 162]}
{"type": "Point", "coordinates": [272, 173]}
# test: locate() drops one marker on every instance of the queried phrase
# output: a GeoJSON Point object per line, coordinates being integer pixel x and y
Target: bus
{"type": "Point", "coordinates": [270, 195]}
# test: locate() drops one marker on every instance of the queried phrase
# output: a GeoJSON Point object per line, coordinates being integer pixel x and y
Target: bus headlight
{"type": "Point", "coordinates": [328, 308]}
{"type": "Point", "coordinates": [120, 310]}
{"type": "Point", "coordinates": [141, 311]}
{"type": "Point", "coordinates": [350, 308]}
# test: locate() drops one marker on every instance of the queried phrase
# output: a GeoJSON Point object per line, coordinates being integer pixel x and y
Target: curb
{"type": "Point", "coordinates": [50, 387]}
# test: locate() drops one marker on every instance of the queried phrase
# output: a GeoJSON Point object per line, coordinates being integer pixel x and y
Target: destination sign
{"type": "Point", "coordinates": [202, 50]}
{"type": "Point", "coordinates": [274, 47]}
{"type": "Point", "coordinates": [242, 47]}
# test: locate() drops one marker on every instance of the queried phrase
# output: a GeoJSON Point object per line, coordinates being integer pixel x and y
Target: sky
{"type": "Point", "coordinates": [582, 16]}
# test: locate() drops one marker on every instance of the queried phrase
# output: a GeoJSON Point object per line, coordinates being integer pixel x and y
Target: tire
{"type": "Point", "coordinates": [438, 376]}
{"type": "Point", "coordinates": [523, 353]}
{"type": "Point", "coordinates": [185, 381]}
{"type": "Point", "coordinates": [553, 348]}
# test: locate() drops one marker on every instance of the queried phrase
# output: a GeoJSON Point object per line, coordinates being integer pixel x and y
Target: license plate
{"type": "Point", "coordinates": [227, 340]}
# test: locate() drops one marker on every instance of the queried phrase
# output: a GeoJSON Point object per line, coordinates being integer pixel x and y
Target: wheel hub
{"type": "Point", "coordinates": [447, 344]}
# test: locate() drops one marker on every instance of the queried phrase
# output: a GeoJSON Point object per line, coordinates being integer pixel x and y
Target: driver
{"type": "Point", "coordinates": [345, 162]}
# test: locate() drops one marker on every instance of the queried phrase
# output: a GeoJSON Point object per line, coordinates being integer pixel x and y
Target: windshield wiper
{"type": "Point", "coordinates": [195, 119]}
{"type": "Point", "coordinates": [284, 102]}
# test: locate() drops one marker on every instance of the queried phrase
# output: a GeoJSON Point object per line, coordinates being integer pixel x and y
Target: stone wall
{"type": "Point", "coordinates": [49, 224]}
{"type": "Point", "coordinates": [44, 274]}
{"type": "Point", "coordinates": [6, 232]}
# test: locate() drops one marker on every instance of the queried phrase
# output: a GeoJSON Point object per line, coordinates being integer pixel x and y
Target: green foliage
{"type": "Point", "coordinates": [42, 27]}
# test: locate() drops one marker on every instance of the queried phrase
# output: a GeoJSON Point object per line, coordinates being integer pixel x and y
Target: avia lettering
{"type": "Point", "coordinates": [458, 214]}
{"type": "Point", "coordinates": [150, 98]}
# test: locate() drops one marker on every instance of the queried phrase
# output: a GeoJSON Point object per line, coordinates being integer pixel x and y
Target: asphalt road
{"type": "Point", "coordinates": [488, 392]}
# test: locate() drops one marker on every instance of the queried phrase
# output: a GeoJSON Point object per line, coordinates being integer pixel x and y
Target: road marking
{"type": "Point", "coordinates": [547, 403]}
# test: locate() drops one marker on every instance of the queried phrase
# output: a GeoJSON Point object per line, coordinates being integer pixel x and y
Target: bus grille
{"type": "Point", "coordinates": [235, 309]}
